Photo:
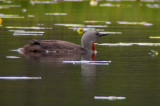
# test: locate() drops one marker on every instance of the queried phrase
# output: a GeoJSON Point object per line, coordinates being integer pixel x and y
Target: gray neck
{"type": "Point", "coordinates": [86, 45]}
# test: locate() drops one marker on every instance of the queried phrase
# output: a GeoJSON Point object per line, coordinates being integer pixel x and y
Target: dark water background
{"type": "Point", "coordinates": [133, 72]}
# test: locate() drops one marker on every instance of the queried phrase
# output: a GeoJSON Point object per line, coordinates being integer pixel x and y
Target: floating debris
{"type": "Point", "coordinates": [88, 62]}
{"type": "Point", "coordinates": [110, 5]}
{"type": "Point", "coordinates": [10, 16]}
{"type": "Point", "coordinates": [0, 21]}
{"type": "Point", "coordinates": [129, 44]}
{"type": "Point", "coordinates": [135, 23]}
{"type": "Point", "coordinates": [55, 13]}
{"type": "Point", "coordinates": [12, 57]}
{"type": "Point", "coordinates": [18, 27]}
{"type": "Point", "coordinates": [109, 98]}
{"type": "Point", "coordinates": [20, 78]}
{"type": "Point", "coordinates": [153, 53]}
{"type": "Point", "coordinates": [80, 30]}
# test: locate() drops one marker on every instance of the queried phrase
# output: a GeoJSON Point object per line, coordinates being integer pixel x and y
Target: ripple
{"type": "Point", "coordinates": [16, 50]}
{"type": "Point", "coordinates": [70, 25]}
{"type": "Point", "coordinates": [23, 32]}
{"type": "Point", "coordinates": [7, 2]}
{"type": "Point", "coordinates": [111, 32]}
{"type": "Point", "coordinates": [155, 37]}
{"type": "Point", "coordinates": [87, 29]}
{"type": "Point", "coordinates": [42, 2]}
{"type": "Point", "coordinates": [20, 27]}
{"type": "Point", "coordinates": [55, 13]}
{"type": "Point", "coordinates": [109, 97]}
{"type": "Point", "coordinates": [31, 16]}
{"type": "Point", "coordinates": [134, 23]}
{"type": "Point", "coordinates": [110, 5]}
{"type": "Point", "coordinates": [81, 25]}
{"type": "Point", "coordinates": [27, 34]}
{"type": "Point", "coordinates": [12, 57]}
{"type": "Point", "coordinates": [94, 21]}
{"type": "Point", "coordinates": [19, 78]}
{"type": "Point", "coordinates": [153, 5]}
{"type": "Point", "coordinates": [129, 44]}
{"type": "Point", "coordinates": [96, 26]}
{"type": "Point", "coordinates": [107, 22]}
{"type": "Point", "coordinates": [8, 6]}
{"type": "Point", "coordinates": [10, 16]}
{"type": "Point", "coordinates": [73, 0]}
{"type": "Point", "coordinates": [88, 62]}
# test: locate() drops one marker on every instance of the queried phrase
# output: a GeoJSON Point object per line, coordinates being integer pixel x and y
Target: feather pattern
{"type": "Point", "coordinates": [51, 45]}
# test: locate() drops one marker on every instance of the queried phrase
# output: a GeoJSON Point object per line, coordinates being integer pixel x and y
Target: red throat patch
{"type": "Point", "coordinates": [93, 56]}
{"type": "Point", "coordinates": [93, 47]}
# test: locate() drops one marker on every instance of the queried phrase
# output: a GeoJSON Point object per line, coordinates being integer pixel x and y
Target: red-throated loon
{"type": "Point", "coordinates": [60, 46]}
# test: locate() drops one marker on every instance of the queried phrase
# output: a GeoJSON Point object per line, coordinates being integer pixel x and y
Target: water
{"type": "Point", "coordinates": [133, 72]}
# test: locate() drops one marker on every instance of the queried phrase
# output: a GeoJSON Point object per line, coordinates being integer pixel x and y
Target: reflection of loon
{"type": "Point", "coordinates": [58, 46]}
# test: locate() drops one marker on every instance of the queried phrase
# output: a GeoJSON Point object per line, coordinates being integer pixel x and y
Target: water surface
{"type": "Point", "coordinates": [133, 73]}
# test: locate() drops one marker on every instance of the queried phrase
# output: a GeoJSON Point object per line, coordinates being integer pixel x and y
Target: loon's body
{"type": "Point", "coordinates": [60, 46]}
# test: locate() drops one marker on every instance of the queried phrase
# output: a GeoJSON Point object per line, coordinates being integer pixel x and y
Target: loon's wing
{"type": "Point", "coordinates": [50, 45]}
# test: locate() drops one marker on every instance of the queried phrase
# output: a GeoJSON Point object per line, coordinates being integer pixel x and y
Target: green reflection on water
{"type": "Point", "coordinates": [133, 73]}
